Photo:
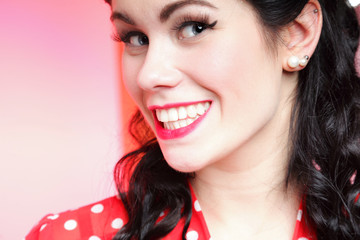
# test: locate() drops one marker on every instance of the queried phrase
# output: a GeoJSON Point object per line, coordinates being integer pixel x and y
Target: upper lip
{"type": "Point", "coordinates": [174, 105]}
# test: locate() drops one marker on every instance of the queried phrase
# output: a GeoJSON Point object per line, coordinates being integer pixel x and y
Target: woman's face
{"type": "Point", "coordinates": [202, 75]}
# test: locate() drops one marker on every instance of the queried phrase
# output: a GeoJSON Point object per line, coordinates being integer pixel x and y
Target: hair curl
{"type": "Point", "coordinates": [325, 129]}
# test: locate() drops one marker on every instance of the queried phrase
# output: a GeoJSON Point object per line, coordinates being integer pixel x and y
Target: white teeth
{"type": "Point", "coordinates": [200, 109]}
{"type": "Point", "coordinates": [164, 117]}
{"type": "Point", "coordinates": [182, 113]}
{"type": "Point", "coordinates": [173, 114]}
{"type": "Point", "coordinates": [182, 123]}
{"type": "Point", "coordinates": [189, 121]}
{"type": "Point", "coordinates": [158, 114]}
{"type": "Point", "coordinates": [207, 105]}
{"type": "Point", "coordinates": [191, 110]}
{"type": "Point", "coordinates": [175, 125]}
{"type": "Point", "coordinates": [175, 118]}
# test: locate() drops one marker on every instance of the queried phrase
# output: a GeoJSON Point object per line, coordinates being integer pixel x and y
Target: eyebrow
{"type": "Point", "coordinates": [172, 7]}
{"type": "Point", "coordinates": [123, 17]}
{"type": "Point", "coordinates": [165, 12]}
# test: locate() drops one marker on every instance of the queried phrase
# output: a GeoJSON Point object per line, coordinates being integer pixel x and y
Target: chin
{"type": "Point", "coordinates": [187, 166]}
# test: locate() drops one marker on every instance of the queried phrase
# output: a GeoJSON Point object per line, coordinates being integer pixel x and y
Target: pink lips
{"type": "Point", "coordinates": [180, 132]}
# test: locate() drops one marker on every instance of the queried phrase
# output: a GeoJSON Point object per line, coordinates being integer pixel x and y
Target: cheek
{"type": "Point", "coordinates": [241, 72]}
{"type": "Point", "coordinates": [232, 61]}
{"type": "Point", "coordinates": [130, 68]}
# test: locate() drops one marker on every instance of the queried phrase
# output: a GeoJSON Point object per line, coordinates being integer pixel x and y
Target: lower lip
{"type": "Point", "coordinates": [177, 133]}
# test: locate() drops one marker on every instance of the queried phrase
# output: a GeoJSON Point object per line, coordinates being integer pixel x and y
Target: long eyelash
{"type": "Point", "coordinates": [116, 37]}
{"type": "Point", "coordinates": [188, 19]}
{"type": "Point", "coordinates": [123, 37]}
{"type": "Point", "coordinates": [180, 24]}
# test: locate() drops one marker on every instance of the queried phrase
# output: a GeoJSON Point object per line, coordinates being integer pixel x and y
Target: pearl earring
{"type": "Point", "coordinates": [294, 61]}
{"type": "Point", "coordinates": [303, 62]}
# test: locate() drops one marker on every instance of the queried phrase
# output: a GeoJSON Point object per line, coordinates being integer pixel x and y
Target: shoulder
{"type": "Point", "coordinates": [99, 220]}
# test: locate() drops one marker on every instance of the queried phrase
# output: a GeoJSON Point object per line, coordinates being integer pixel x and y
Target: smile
{"type": "Point", "coordinates": [175, 118]}
{"type": "Point", "coordinates": [178, 121]}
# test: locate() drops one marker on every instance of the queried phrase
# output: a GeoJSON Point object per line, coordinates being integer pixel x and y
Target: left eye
{"type": "Point", "coordinates": [138, 40]}
{"type": "Point", "coordinates": [191, 30]}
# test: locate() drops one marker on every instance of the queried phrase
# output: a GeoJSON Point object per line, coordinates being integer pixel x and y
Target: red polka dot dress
{"type": "Point", "coordinates": [102, 220]}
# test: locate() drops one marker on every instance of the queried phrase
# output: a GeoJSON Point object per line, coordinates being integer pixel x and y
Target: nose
{"type": "Point", "coordinates": [159, 68]}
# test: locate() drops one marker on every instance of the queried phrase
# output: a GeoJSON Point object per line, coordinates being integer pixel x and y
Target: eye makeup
{"type": "Point", "coordinates": [186, 26]}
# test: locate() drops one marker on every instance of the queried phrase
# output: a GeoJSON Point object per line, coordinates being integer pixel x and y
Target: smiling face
{"type": "Point", "coordinates": [203, 77]}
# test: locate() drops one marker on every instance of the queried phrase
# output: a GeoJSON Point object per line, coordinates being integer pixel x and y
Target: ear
{"type": "Point", "coordinates": [300, 37]}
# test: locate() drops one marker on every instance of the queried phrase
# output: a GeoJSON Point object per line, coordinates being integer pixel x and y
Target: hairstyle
{"type": "Point", "coordinates": [325, 129]}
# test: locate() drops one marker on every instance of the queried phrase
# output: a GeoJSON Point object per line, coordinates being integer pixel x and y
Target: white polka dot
{"type": "Point", "coordinates": [162, 214]}
{"type": "Point", "coordinates": [302, 238]}
{"type": "Point", "coordinates": [197, 206]}
{"type": "Point", "coordinates": [117, 223]}
{"type": "Point", "coordinates": [70, 225]}
{"type": "Point", "coordinates": [94, 238]}
{"type": "Point", "coordinates": [299, 215]}
{"type": "Point", "coordinates": [192, 235]}
{"type": "Point", "coordinates": [98, 208]}
{"type": "Point", "coordinates": [53, 217]}
{"type": "Point", "coordinates": [42, 227]}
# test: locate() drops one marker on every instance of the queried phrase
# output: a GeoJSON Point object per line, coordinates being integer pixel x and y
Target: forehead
{"type": "Point", "coordinates": [162, 9]}
{"type": "Point", "coordinates": [159, 4]}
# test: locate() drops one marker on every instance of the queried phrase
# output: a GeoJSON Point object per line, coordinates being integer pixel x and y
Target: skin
{"type": "Point", "coordinates": [239, 151]}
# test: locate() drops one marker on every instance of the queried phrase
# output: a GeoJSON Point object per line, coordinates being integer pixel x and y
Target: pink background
{"type": "Point", "coordinates": [60, 132]}
{"type": "Point", "coordinates": [60, 109]}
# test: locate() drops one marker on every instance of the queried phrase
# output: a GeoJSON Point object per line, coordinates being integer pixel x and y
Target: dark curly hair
{"type": "Point", "coordinates": [325, 129]}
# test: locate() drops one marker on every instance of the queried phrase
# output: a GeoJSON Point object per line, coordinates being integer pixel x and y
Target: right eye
{"type": "Point", "coordinates": [135, 39]}
{"type": "Point", "coordinates": [192, 29]}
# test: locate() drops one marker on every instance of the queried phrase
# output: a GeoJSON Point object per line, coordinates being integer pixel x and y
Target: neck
{"type": "Point", "coordinates": [241, 206]}
{"type": "Point", "coordinates": [252, 185]}
{"type": "Point", "coordinates": [254, 195]}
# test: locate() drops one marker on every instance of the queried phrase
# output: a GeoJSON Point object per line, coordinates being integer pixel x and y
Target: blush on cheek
{"type": "Point", "coordinates": [235, 59]}
{"type": "Point", "coordinates": [130, 71]}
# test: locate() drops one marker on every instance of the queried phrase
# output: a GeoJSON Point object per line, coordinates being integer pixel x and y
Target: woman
{"type": "Point", "coordinates": [255, 109]}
